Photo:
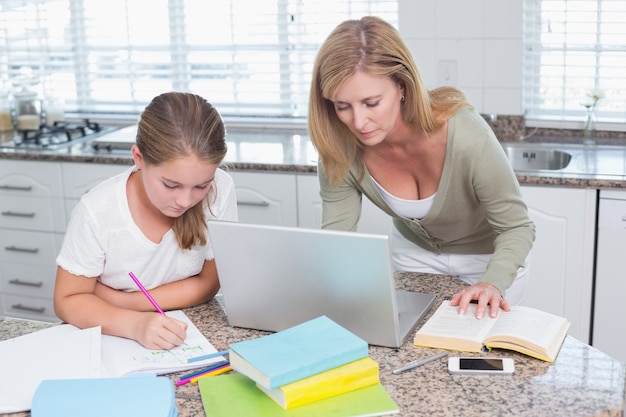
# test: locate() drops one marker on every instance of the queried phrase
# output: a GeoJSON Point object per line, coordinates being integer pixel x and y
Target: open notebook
{"type": "Point", "coordinates": [67, 352]}
{"type": "Point", "coordinates": [275, 277]}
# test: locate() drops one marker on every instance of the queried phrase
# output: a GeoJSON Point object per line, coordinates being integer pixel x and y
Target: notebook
{"type": "Point", "coordinates": [274, 277]}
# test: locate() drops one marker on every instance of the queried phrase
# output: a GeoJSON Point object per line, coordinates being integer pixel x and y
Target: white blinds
{"type": "Point", "coordinates": [573, 48]}
{"type": "Point", "coordinates": [249, 58]}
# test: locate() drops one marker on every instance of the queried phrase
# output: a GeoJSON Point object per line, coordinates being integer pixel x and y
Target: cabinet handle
{"type": "Point", "coordinates": [16, 249]}
{"type": "Point", "coordinates": [26, 308]}
{"type": "Point", "coordinates": [26, 283]}
{"type": "Point", "coordinates": [17, 214]}
{"type": "Point", "coordinates": [253, 203]}
{"type": "Point", "coordinates": [15, 188]}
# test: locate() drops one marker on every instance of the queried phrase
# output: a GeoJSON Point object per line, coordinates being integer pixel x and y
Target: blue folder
{"type": "Point", "coordinates": [141, 395]}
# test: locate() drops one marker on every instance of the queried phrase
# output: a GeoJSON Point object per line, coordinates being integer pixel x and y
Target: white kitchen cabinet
{"type": "Point", "coordinates": [561, 266]}
{"type": "Point", "coordinates": [36, 199]}
{"type": "Point", "coordinates": [32, 223]}
{"type": "Point", "coordinates": [610, 291]}
{"type": "Point", "coordinates": [373, 220]}
{"type": "Point", "coordinates": [266, 197]}
{"type": "Point", "coordinates": [31, 196]}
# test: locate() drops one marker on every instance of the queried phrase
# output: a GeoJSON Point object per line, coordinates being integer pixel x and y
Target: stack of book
{"type": "Point", "coordinates": [314, 368]}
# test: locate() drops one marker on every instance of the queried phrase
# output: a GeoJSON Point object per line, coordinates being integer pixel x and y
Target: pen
{"type": "Point", "coordinates": [419, 362]}
{"type": "Point", "coordinates": [145, 292]}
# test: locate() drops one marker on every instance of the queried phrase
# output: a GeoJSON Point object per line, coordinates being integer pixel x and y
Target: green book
{"type": "Point", "coordinates": [237, 395]}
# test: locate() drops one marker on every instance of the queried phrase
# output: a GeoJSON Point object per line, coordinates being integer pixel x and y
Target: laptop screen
{"type": "Point", "coordinates": [274, 277]}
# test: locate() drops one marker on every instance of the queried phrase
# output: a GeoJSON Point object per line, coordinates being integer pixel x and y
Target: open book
{"type": "Point", "coordinates": [524, 329]}
{"type": "Point", "coordinates": [122, 357]}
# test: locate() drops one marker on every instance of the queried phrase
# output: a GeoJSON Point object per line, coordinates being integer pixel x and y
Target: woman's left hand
{"type": "Point", "coordinates": [485, 294]}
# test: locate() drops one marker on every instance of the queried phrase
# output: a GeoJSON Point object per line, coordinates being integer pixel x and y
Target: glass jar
{"type": "Point", "coordinates": [27, 111]}
{"type": "Point", "coordinates": [6, 119]}
{"type": "Point", "coordinates": [53, 109]}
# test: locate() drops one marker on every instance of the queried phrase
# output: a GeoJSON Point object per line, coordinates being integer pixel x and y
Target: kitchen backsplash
{"type": "Point", "coordinates": [514, 129]}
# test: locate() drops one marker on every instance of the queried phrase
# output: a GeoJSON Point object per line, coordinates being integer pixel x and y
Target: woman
{"type": "Point", "coordinates": [150, 220]}
{"type": "Point", "coordinates": [424, 157]}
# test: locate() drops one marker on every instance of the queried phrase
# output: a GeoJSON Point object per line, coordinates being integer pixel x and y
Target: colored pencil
{"type": "Point", "coordinates": [203, 370]}
{"type": "Point", "coordinates": [209, 356]}
{"type": "Point", "coordinates": [145, 292]}
{"type": "Point", "coordinates": [212, 373]}
{"type": "Point", "coordinates": [215, 371]}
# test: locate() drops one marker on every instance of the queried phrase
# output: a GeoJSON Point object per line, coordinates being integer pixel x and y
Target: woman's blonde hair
{"type": "Point", "coordinates": [176, 125]}
{"type": "Point", "coordinates": [369, 45]}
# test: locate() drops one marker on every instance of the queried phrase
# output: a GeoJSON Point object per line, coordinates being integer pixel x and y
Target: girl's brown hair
{"type": "Point", "coordinates": [176, 125]}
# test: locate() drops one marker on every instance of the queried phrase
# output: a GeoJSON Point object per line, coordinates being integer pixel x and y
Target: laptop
{"type": "Point", "coordinates": [274, 277]}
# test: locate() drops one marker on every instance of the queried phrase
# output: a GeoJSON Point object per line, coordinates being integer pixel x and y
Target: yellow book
{"type": "Point", "coordinates": [523, 329]}
{"type": "Point", "coordinates": [349, 377]}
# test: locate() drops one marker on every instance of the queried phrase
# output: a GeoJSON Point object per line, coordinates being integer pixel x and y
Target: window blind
{"type": "Point", "coordinates": [249, 58]}
{"type": "Point", "coordinates": [574, 49]}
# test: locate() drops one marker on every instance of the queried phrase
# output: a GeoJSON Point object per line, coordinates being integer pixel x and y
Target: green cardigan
{"type": "Point", "coordinates": [478, 208]}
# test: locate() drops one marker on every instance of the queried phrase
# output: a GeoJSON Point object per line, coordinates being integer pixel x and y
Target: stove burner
{"type": "Point", "coordinates": [60, 132]}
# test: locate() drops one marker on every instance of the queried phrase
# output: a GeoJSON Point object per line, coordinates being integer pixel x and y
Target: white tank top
{"type": "Point", "coordinates": [412, 209]}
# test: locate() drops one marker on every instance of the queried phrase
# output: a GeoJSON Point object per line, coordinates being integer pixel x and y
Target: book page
{"type": "Point", "coordinates": [58, 352]}
{"type": "Point", "coordinates": [534, 326]}
{"type": "Point", "coordinates": [446, 322]}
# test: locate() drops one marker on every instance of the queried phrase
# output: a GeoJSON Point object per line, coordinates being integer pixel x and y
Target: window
{"type": "Point", "coordinates": [573, 48]}
{"type": "Point", "coordinates": [249, 58]}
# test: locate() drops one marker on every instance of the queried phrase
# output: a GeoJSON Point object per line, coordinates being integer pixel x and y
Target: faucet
{"type": "Point", "coordinates": [489, 117]}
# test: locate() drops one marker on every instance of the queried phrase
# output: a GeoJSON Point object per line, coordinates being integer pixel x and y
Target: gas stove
{"type": "Point", "coordinates": [61, 135]}
{"type": "Point", "coordinates": [121, 140]}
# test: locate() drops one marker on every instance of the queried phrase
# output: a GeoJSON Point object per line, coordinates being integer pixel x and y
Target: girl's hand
{"type": "Point", "coordinates": [158, 331]}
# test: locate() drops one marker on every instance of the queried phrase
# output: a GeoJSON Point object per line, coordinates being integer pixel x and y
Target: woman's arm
{"type": "Point", "coordinates": [341, 206]}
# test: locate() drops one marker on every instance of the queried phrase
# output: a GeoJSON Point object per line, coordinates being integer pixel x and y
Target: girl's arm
{"type": "Point", "coordinates": [187, 292]}
{"type": "Point", "coordinates": [76, 302]}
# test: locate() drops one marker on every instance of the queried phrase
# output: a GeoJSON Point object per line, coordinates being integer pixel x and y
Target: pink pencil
{"type": "Point", "coordinates": [145, 292]}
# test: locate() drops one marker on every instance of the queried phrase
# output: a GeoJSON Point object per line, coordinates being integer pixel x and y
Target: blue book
{"type": "Point", "coordinates": [144, 395]}
{"type": "Point", "coordinates": [297, 352]}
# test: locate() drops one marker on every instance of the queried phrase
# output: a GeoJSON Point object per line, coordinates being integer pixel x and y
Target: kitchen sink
{"type": "Point", "coordinates": [537, 158]}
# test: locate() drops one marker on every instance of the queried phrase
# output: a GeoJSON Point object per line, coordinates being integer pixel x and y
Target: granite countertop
{"type": "Point", "coordinates": [293, 152]}
{"type": "Point", "coordinates": [583, 381]}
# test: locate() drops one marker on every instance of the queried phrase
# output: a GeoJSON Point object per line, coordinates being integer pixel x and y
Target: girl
{"type": "Point", "coordinates": [150, 220]}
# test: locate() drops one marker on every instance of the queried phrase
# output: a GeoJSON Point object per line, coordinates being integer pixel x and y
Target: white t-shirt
{"type": "Point", "coordinates": [102, 240]}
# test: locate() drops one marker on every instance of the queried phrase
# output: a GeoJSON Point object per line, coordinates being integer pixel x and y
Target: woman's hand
{"type": "Point", "coordinates": [486, 295]}
{"type": "Point", "coordinates": [158, 331]}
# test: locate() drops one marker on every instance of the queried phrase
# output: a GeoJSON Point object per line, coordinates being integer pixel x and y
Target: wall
{"type": "Point", "coordinates": [475, 45]}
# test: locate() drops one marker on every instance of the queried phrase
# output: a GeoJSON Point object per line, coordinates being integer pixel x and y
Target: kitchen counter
{"type": "Point", "coordinates": [583, 381]}
{"type": "Point", "coordinates": [283, 151]}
